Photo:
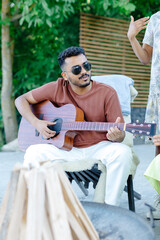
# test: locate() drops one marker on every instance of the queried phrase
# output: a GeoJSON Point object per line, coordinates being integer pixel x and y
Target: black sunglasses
{"type": "Point", "coordinates": [77, 69]}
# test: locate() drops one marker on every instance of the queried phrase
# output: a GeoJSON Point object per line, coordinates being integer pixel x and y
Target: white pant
{"type": "Point", "coordinates": [116, 157]}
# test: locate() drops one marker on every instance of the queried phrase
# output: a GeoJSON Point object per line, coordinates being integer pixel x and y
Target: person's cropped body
{"type": "Point", "coordinates": [153, 175]}
{"type": "Point", "coordinates": [149, 50]}
{"type": "Point", "coordinates": [99, 103]}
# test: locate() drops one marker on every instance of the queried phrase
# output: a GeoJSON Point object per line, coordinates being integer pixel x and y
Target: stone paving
{"type": "Point", "coordinates": [141, 185]}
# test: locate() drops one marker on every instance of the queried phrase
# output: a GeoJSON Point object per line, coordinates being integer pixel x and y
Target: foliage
{"type": "Point", "coordinates": [37, 56]}
{"type": "Point", "coordinates": [111, 8]}
{"type": "Point", "coordinates": [145, 8]}
{"type": "Point", "coordinates": [47, 27]}
{"type": "Point", "coordinates": [43, 29]}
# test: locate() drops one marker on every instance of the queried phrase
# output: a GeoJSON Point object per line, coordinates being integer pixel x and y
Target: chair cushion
{"type": "Point", "coordinates": [121, 84]}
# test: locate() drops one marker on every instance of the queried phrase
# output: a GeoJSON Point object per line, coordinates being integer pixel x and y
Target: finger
{"type": "Point", "coordinates": [157, 144]}
{"type": "Point", "coordinates": [48, 130]}
{"type": "Point", "coordinates": [132, 19]}
{"type": "Point", "coordinates": [147, 22]}
{"type": "Point", "coordinates": [142, 19]}
{"type": "Point", "coordinates": [50, 123]}
{"type": "Point", "coordinates": [111, 130]}
{"type": "Point", "coordinates": [112, 133]}
{"type": "Point", "coordinates": [144, 27]}
{"type": "Point", "coordinates": [156, 140]}
{"type": "Point", "coordinates": [114, 129]}
{"type": "Point", "coordinates": [47, 135]}
{"type": "Point", "coordinates": [156, 136]}
{"type": "Point", "coordinates": [52, 134]}
{"type": "Point", "coordinates": [142, 24]}
{"type": "Point", "coordinates": [118, 120]}
{"type": "Point", "coordinates": [109, 136]}
{"type": "Point", "coordinates": [145, 18]}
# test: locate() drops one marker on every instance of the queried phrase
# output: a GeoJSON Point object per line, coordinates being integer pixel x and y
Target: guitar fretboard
{"type": "Point", "coordinates": [91, 126]}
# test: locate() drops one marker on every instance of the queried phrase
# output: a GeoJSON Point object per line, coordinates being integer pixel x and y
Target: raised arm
{"type": "Point", "coordinates": [23, 106]}
{"type": "Point", "coordinates": [144, 53]}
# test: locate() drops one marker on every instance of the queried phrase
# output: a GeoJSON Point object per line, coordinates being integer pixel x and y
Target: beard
{"type": "Point", "coordinates": [85, 84]}
{"type": "Point", "coordinates": [80, 83]}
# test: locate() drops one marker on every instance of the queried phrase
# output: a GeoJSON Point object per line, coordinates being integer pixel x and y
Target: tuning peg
{"type": "Point", "coordinates": [137, 121]}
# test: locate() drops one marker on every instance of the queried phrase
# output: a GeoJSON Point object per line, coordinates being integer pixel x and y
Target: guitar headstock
{"type": "Point", "coordinates": [146, 129]}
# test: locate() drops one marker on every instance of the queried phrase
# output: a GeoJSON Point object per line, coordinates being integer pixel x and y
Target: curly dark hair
{"type": "Point", "coordinates": [69, 52]}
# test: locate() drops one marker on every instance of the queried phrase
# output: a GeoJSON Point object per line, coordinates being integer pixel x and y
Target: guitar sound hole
{"type": "Point", "coordinates": [57, 127]}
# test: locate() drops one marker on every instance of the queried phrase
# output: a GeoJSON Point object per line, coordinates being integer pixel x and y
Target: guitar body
{"type": "Point", "coordinates": [28, 135]}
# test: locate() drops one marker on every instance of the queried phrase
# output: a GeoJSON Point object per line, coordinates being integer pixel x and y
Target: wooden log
{"type": "Point", "coordinates": [74, 205]}
{"type": "Point", "coordinates": [79, 213]}
{"type": "Point", "coordinates": [36, 203]}
{"type": "Point", "coordinates": [47, 233]}
{"type": "Point", "coordinates": [78, 231]}
{"type": "Point", "coordinates": [56, 205]}
{"type": "Point", "coordinates": [44, 208]}
{"type": "Point", "coordinates": [3, 207]}
{"type": "Point", "coordinates": [7, 204]}
{"type": "Point", "coordinates": [18, 209]}
{"type": "Point", "coordinates": [23, 230]}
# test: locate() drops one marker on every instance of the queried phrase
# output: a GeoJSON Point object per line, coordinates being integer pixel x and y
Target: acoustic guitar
{"type": "Point", "coordinates": [69, 120]}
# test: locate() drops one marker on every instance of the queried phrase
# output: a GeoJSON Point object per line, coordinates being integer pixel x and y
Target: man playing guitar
{"type": "Point", "coordinates": [99, 103]}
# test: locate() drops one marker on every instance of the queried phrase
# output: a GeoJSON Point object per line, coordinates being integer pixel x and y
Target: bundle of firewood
{"type": "Point", "coordinates": [39, 204]}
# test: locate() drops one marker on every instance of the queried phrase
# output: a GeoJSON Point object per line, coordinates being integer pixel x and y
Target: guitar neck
{"type": "Point", "coordinates": [147, 129]}
{"type": "Point", "coordinates": [91, 126]}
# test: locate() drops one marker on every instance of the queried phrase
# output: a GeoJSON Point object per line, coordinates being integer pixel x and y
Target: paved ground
{"type": "Point", "coordinates": [141, 185]}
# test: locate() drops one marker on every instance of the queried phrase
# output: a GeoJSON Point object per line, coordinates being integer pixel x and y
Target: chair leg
{"type": "Point", "coordinates": [131, 202]}
{"type": "Point", "coordinates": [136, 194]}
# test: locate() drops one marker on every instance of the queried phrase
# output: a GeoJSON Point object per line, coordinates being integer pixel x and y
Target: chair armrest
{"type": "Point", "coordinates": [133, 93]}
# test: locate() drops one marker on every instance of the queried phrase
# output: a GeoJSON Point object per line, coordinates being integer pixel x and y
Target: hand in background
{"type": "Point", "coordinates": [136, 26]}
{"type": "Point", "coordinates": [156, 140]}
